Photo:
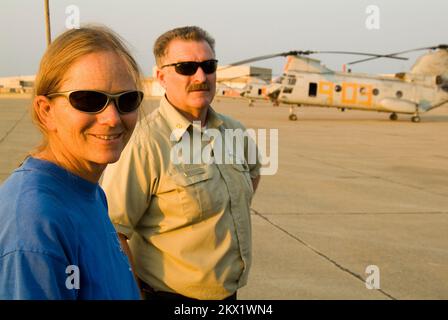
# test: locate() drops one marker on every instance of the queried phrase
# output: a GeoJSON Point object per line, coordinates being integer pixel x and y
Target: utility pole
{"type": "Point", "coordinates": [47, 21]}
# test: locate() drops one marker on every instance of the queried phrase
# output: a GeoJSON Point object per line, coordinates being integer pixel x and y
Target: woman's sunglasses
{"type": "Point", "coordinates": [189, 68]}
{"type": "Point", "coordinates": [94, 101]}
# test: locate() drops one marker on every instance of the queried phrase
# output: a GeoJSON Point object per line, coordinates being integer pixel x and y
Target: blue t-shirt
{"type": "Point", "coordinates": [56, 239]}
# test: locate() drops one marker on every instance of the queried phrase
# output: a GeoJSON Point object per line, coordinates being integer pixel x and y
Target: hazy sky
{"type": "Point", "coordinates": [242, 29]}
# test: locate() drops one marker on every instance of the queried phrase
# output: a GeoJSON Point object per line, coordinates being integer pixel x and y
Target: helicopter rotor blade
{"type": "Point", "coordinates": [260, 58]}
{"type": "Point", "coordinates": [268, 56]}
{"type": "Point", "coordinates": [240, 77]}
{"type": "Point", "coordinates": [305, 53]}
{"type": "Point", "coordinates": [372, 55]}
{"type": "Point", "coordinates": [440, 46]}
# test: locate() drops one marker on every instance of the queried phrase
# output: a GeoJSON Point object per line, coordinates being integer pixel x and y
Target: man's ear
{"type": "Point", "coordinates": [160, 74]}
{"type": "Point", "coordinates": [45, 112]}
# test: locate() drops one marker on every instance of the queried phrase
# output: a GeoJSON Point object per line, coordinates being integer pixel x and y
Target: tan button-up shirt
{"type": "Point", "coordinates": [188, 224]}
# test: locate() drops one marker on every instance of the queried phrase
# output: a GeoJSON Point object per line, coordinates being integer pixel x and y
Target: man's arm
{"type": "Point", "coordinates": [127, 251]}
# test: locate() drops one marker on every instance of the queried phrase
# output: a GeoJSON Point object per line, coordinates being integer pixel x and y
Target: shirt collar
{"type": "Point", "coordinates": [178, 124]}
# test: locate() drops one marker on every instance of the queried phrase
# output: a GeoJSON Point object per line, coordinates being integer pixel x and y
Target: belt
{"type": "Point", "coordinates": [150, 294]}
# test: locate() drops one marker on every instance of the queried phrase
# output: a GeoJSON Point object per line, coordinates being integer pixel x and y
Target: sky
{"type": "Point", "coordinates": [242, 28]}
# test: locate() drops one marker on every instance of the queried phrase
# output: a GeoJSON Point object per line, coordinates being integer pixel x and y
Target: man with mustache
{"type": "Point", "coordinates": [187, 222]}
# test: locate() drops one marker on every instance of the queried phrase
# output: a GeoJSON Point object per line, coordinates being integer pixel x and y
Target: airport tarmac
{"type": "Point", "coordinates": [352, 190]}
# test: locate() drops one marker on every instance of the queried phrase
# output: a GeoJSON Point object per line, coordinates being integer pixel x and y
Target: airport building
{"type": "Point", "coordinates": [243, 73]}
{"type": "Point", "coordinates": [18, 84]}
{"type": "Point", "coordinates": [233, 80]}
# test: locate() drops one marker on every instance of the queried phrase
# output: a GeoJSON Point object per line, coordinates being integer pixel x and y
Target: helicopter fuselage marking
{"type": "Point", "coordinates": [327, 88]}
{"type": "Point", "coordinates": [352, 93]}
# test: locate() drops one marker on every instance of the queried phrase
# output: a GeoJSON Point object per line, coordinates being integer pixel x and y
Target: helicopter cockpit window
{"type": "Point", "coordinates": [312, 90]}
{"type": "Point", "coordinates": [287, 90]}
{"type": "Point", "coordinates": [399, 94]}
{"type": "Point", "coordinates": [291, 81]}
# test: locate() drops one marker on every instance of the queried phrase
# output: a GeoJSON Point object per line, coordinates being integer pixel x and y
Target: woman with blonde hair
{"type": "Point", "coordinates": [56, 241]}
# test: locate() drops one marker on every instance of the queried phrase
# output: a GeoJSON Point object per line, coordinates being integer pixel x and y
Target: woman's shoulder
{"type": "Point", "coordinates": [30, 174]}
{"type": "Point", "coordinates": [33, 216]}
{"type": "Point", "coordinates": [31, 190]}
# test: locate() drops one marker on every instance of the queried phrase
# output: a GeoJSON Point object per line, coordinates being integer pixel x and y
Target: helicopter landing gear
{"type": "Point", "coordinates": [251, 103]}
{"type": "Point", "coordinates": [415, 119]}
{"type": "Point", "coordinates": [292, 115]}
{"type": "Point", "coordinates": [393, 116]}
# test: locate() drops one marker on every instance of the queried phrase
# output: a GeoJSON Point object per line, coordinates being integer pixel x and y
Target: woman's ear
{"type": "Point", "coordinates": [45, 112]}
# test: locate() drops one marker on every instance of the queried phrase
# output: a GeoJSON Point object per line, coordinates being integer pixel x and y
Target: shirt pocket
{"type": "Point", "coordinates": [194, 182]}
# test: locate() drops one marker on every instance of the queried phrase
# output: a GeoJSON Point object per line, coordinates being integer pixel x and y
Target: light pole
{"type": "Point", "coordinates": [47, 21]}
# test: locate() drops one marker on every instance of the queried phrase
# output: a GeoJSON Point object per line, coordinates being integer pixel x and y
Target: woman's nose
{"type": "Point", "coordinates": [110, 115]}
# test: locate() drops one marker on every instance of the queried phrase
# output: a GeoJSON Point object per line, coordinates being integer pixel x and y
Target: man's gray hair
{"type": "Point", "coordinates": [188, 33]}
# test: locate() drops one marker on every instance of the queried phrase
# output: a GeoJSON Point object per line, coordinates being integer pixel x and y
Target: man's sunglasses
{"type": "Point", "coordinates": [189, 68]}
{"type": "Point", "coordinates": [94, 101]}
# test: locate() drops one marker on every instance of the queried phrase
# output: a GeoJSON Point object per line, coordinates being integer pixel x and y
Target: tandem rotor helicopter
{"type": "Point", "coordinates": [307, 82]}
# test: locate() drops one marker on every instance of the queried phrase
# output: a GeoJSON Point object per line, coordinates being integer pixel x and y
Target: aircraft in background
{"type": "Point", "coordinates": [307, 82]}
{"type": "Point", "coordinates": [251, 87]}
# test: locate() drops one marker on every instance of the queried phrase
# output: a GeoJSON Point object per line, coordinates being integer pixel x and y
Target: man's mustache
{"type": "Point", "coordinates": [204, 86]}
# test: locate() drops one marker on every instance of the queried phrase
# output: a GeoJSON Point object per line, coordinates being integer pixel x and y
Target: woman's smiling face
{"type": "Point", "coordinates": [84, 139]}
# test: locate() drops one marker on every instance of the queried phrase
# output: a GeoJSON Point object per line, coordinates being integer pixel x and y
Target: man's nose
{"type": "Point", "coordinates": [200, 75]}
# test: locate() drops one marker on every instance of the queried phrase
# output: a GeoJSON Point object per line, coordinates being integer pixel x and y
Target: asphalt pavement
{"type": "Point", "coordinates": [357, 201]}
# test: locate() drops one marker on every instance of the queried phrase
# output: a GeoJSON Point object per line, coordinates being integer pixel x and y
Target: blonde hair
{"type": "Point", "coordinates": [188, 33]}
{"type": "Point", "coordinates": [65, 50]}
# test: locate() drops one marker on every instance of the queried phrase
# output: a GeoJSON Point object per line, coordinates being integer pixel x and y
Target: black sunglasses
{"type": "Point", "coordinates": [94, 101]}
{"type": "Point", "coordinates": [189, 68]}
